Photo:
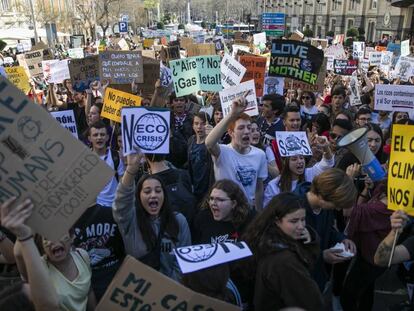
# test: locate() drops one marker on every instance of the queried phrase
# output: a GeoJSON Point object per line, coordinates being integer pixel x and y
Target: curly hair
{"type": "Point", "coordinates": [241, 211]}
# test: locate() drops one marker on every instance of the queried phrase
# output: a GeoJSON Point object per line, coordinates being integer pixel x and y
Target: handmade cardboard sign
{"type": "Point", "coordinates": [148, 53]}
{"type": "Point", "coordinates": [170, 53]}
{"type": "Point", "coordinates": [17, 75]}
{"type": "Point", "coordinates": [293, 143]}
{"type": "Point", "coordinates": [148, 43]}
{"type": "Point", "coordinates": [124, 46]}
{"type": "Point", "coordinates": [228, 95]}
{"type": "Point", "coordinates": [404, 68]}
{"type": "Point", "coordinates": [259, 38]}
{"type": "Point", "coordinates": [386, 61]}
{"type": "Point", "coordinates": [121, 67]}
{"type": "Point", "coordinates": [255, 69]}
{"type": "Point", "coordinates": [323, 43]}
{"type": "Point", "coordinates": [296, 60]}
{"type": "Point", "coordinates": [83, 72]}
{"type": "Point", "coordinates": [66, 118]}
{"type": "Point", "coordinates": [34, 62]}
{"type": "Point", "coordinates": [400, 172]}
{"type": "Point", "coordinates": [209, 73]}
{"type": "Point", "coordinates": [337, 51]}
{"type": "Point", "coordinates": [355, 95]}
{"type": "Point", "coordinates": [345, 67]}
{"type": "Point", "coordinates": [186, 42]}
{"type": "Point", "coordinates": [392, 97]}
{"type": "Point", "coordinates": [358, 50]}
{"type": "Point", "coordinates": [115, 100]}
{"type": "Point", "coordinates": [405, 48]}
{"type": "Point", "coordinates": [375, 58]}
{"type": "Point", "coordinates": [139, 287]}
{"type": "Point", "coordinates": [145, 129]}
{"type": "Point", "coordinates": [196, 257]}
{"type": "Point", "coordinates": [152, 74]}
{"type": "Point", "coordinates": [59, 71]}
{"type": "Point", "coordinates": [318, 87]}
{"type": "Point", "coordinates": [75, 53]}
{"type": "Point", "coordinates": [273, 85]}
{"type": "Point", "coordinates": [231, 71]}
{"type": "Point", "coordinates": [380, 48]}
{"type": "Point", "coordinates": [46, 68]}
{"type": "Point", "coordinates": [201, 49]}
{"type": "Point", "coordinates": [237, 47]}
{"type": "Point", "coordinates": [41, 160]}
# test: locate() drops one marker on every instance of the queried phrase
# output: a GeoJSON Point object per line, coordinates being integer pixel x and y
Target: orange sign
{"type": "Point", "coordinates": [256, 67]}
{"type": "Point", "coordinates": [379, 48]}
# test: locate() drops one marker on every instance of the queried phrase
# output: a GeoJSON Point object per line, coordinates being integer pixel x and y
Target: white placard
{"type": "Point", "coordinates": [237, 47]}
{"type": "Point", "coordinates": [368, 50]}
{"type": "Point", "coordinates": [231, 71]}
{"type": "Point", "coordinates": [259, 38]}
{"type": "Point", "coordinates": [46, 68]}
{"type": "Point", "coordinates": [390, 97]}
{"type": "Point", "coordinates": [145, 129]}
{"type": "Point", "coordinates": [228, 95]}
{"type": "Point", "coordinates": [293, 143]}
{"type": "Point", "coordinates": [358, 49]}
{"type": "Point", "coordinates": [273, 85]}
{"type": "Point", "coordinates": [364, 65]}
{"type": "Point", "coordinates": [165, 75]}
{"type": "Point", "coordinates": [375, 58]}
{"type": "Point", "coordinates": [386, 61]}
{"type": "Point", "coordinates": [196, 257]}
{"type": "Point", "coordinates": [405, 48]}
{"type": "Point", "coordinates": [404, 68]}
{"type": "Point", "coordinates": [59, 71]}
{"type": "Point", "coordinates": [66, 118]}
{"type": "Point", "coordinates": [355, 95]}
{"type": "Point", "coordinates": [330, 62]}
{"type": "Point", "coordinates": [75, 53]}
{"type": "Point", "coordinates": [123, 45]}
{"type": "Point", "coordinates": [337, 51]}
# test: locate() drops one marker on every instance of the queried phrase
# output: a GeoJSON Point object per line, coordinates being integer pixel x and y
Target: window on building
{"type": "Point", "coordinates": [371, 30]}
{"type": "Point", "coordinates": [333, 24]}
{"type": "Point", "coordinates": [350, 23]}
{"type": "Point", "coordinates": [352, 4]}
{"type": "Point", "coordinates": [319, 31]}
{"type": "Point", "coordinates": [335, 5]}
{"type": "Point", "coordinates": [373, 4]}
{"type": "Point", "coordinates": [319, 8]}
{"type": "Point", "coordinates": [5, 5]}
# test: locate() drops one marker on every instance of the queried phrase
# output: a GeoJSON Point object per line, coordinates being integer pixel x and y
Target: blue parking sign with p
{"type": "Point", "coordinates": [123, 27]}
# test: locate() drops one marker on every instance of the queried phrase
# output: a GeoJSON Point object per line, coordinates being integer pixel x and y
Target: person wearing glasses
{"type": "Point", "coordinates": [307, 107]}
{"type": "Point", "coordinates": [223, 216]}
{"type": "Point", "coordinates": [363, 117]}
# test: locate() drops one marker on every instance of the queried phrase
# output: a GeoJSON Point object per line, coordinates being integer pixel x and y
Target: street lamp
{"type": "Point", "coordinates": [34, 21]}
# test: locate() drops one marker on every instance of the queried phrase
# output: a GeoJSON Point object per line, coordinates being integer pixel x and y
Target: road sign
{"type": "Point", "coordinates": [124, 18]}
{"type": "Point", "coordinates": [123, 27]}
{"type": "Point", "coordinates": [273, 24]}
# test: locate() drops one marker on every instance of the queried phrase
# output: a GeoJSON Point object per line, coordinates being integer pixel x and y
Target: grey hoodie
{"type": "Point", "coordinates": [125, 215]}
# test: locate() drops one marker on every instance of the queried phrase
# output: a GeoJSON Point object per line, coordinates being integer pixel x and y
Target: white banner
{"type": "Point", "coordinates": [76, 53]}
{"type": "Point", "coordinates": [232, 71]}
{"type": "Point", "coordinates": [196, 257]}
{"type": "Point", "coordinates": [390, 97]}
{"type": "Point", "coordinates": [405, 48]}
{"type": "Point", "coordinates": [404, 68]}
{"type": "Point", "coordinates": [66, 118]}
{"type": "Point", "coordinates": [145, 129]}
{"type": "Point", "coordinates": [228, 95]}
{"type": "Point", "coordinates": [355, 95]}
{"type": "Point", "coordinates": [273, 85]}
{"type": "Point", "coordinates": [59, 71]}
{"type": "Point", "coordinates": [293, 143]}
{"type": "Point", "coordinates": [358, 50]}
{"type": "Point", "coordinates": [375, 58]}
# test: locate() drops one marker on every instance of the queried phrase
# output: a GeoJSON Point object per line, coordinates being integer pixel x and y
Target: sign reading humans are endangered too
{"type": "Point", "coordinates": [145, 129]}
{"type": "Point", "coordinates": [296, 60]}
{"type": "Point", "coordinates": [115, 100]}
{"type": "Point", "coordinates": [42, 160]}
{"type": "Point", "coordinates": [121, 67]}
{"type": "Point", "coordinates": [293, 144]}
{"type": "Point", "coordinates": [401, 169]}
{"type": "Point", "coordinates": [390, 97]}
{"type": "Point", "coordinates": [138, 287]}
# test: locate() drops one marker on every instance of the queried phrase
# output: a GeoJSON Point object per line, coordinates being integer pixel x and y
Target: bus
{"type": "Point", "coordinates": [228, 30]}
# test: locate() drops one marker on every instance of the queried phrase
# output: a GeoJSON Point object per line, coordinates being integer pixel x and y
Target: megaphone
{"type": "Point", "coordinates": [357, 142]}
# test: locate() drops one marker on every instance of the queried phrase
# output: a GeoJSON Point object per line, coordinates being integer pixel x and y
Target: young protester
{"type": "Point", "coordinates": [294, 171]}
{"type": "Point", "coordinates": [224, 214]}
{"type": "Point", "coordinates": [238, 161]}
{"type": "Point", "coordinates": [270, 119]}
{"type": "Point", "coordinates": [149, 227]}
{"type": "Point", "coordinates": [284, 251]}
{"type": "Point", "coordinates": [363, 117]}
{"type": "Point", "coordinates": [338, 97]}
{"type": "Point", "coordinates": [182, 119]}
{"type": "Point", "coordinates": [307, 107]}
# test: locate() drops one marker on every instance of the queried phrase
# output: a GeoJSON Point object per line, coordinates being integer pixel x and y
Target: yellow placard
{"type": "Point", "coordinates": [148, 43]}
{"type": "Point", "coordinates": [17, 75]}
{"type": "Point", "coordinates": [114, 100]}
{"type": "Point", "coordinates": [401, 169]}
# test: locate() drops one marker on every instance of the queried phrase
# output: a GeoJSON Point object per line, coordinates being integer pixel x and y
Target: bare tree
{"type": "Point", "coordinates": [85, 13]}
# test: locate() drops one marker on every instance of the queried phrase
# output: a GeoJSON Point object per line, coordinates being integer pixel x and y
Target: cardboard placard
{"type": "Point", "coordinates": [368, 50]}
{"type": "Point", "coordinates": [145, 129]}
{"type": "Point", "coordinates": [345, 67]}
{"type": "Point", "coordinates": [41, 160]}
{"type": "Point", "coordinates": [59, 71]}
{"type": "Point", "coordinates": [296, 60]}
{"type": "Point", "coordinates": [400, 173]}
{"type": "Point", "coordinates": [148, 53]}
{"type": "Point", "coordinates": [375, 58]}
{"type": "Point", "coordinates": [358, 49]}
{"type": "Point", "coordinates": [83, 72]}
{"type": "Point", "coordinates": [186, 42]}
{"type": "Point", "coordinates": [318, 87]}
{"type": "Point", "coordinates": [380, 48]}
{"type": "Point", "coordinates": [34, 62]}
{"type": "Point", "coordinates": [237, 48]}
{"type": "Point", "coordinates": [123, 44]}
{"type": "Point", "coordinates": [228, 95]}
{"type": "Point", "coordinates": [319, 42]}
{"type": "Point", "coordinates": [255, 69]}
{"type": "Point", "coordinates": [386, 61]}
{"type": "Point", "coordinates": [391, 97]}
{"type": "Point", "coordinates": [66, 118]}
{"type": "Point", "coordinates": [405, 48]}
{"type": "Point", "coordinates": [17, 75]}
{"type": "Point", "coordinates": [339, 39]}
{"type": "Point", "coordinates": [121, 67]}
{"type": "Point", "coordinates": [201, 49]}
{"type": "Point", "coordinates": [259, 38]}
{"type": "Point", "coordinates": [115, 100]}
{"type": "Point", "coordinates": [196, 257]}
{"type": "Point", "coordinates": [231, 71]}
{"type": "Point", "coordinates": [293, 143]}
{"type": "Point", "coordinates": [364, 65]}
{"type": "Point", "coordinates": [404, 68]}
{"type": "Point", "coordinates": [76, 53]}
{"type": "Point", "coordinates": [274, 85]}
{"type": "Point", "coordinates": [355, 95]}
{"type": "Point", "coordinates": [337, 51]}
{"type": "Point", "coordinates": [148, 43]}
{"type": "Point", "coordinates": [46, 68]}
{"type": "Point", "coordinates": [138, 286]}
{"type": "Point", "coordinates": [152, 74]}
{"type": "Point", "coordinates": [170, 53]}
{"type": "Point", "coordinates": [297, 36]}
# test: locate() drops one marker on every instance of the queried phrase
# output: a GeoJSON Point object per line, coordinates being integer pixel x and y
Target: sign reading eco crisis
{"type": "Point", "coordinates": [115, 100]}
{"type": "Point", "coordinates": [401, 169]}
{"type": "Point", "coordinates": [296, 60]}
{"type": "Point", "coordinates": [273, 24]}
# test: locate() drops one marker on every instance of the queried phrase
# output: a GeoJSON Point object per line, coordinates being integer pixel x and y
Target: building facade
{"type": "Point", "coordinates": [375, 17]}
